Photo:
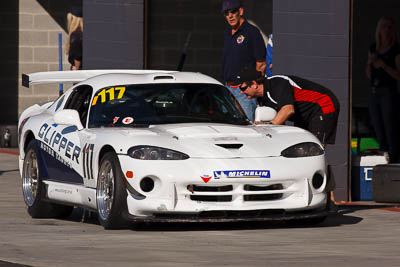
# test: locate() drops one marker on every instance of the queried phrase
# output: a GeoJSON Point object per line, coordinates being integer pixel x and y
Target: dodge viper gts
{"type": "Point", "coordinates": [142, 145]}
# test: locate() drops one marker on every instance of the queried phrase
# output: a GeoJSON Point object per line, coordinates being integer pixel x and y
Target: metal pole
{"type": "Point", "coordinates": [184, 52]}
{"type": "Point", "coordinates": [60, 59]}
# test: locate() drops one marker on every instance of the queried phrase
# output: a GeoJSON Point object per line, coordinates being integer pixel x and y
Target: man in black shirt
{"type": "Point", "coordinates": [243, 46]}
{"type": "Point", "coordinates": [309, 105]}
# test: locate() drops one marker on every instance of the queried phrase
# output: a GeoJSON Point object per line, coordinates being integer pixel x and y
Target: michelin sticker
{"type": "Point", "coordinates": [242, 174]}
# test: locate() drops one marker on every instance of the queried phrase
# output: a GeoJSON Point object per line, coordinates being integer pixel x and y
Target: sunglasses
{"type": "Point", "coordinates": [232, 11]}
{"type": "Point", "coordinates": [246, 85]}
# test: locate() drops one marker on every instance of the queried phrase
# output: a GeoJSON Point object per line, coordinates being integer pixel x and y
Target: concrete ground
{"type": "Point", "coordinates": [362, 234]}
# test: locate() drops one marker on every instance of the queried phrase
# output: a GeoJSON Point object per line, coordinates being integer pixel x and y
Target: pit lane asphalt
{"type": "Point", "coordinates": [362, 234]}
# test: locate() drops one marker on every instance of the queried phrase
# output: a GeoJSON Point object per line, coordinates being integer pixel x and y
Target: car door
{"type": "Point", "coordinates": [64, 145]}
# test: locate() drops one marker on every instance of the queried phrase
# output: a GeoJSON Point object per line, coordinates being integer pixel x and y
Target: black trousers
{"type": "Point", "coordinates": [323, 126]}
{"type": "Point", "coordinates": [383, 111]}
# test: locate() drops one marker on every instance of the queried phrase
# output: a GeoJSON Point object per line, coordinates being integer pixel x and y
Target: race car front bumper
{"type": "Point", "coordinates": [182, 190]}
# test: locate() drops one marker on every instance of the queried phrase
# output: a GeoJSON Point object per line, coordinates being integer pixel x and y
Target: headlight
{"type": "Point", "coordinates": [155, 153]}
{"type": "Point", "coordinates": [307, 149]}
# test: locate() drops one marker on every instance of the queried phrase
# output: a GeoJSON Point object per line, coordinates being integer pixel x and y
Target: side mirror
{"type": "Point", "coordinates": [264, 114]}
{"type": "Point", "coordinates": [68, 117]}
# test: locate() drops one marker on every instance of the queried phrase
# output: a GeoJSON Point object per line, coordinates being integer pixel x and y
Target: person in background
{"type": "Point", "coordinates": [383, 70]}
{"type": "Point", "coordinates": [75, 37]}
{"type": "Point", "coordinates": [243, 46]}
{"type": "Point", "coordinates": [268, 44]}
{"type": "Point", "coordinates": [7, 138]}
{"type": "Point", "coordinates": [268, 60]}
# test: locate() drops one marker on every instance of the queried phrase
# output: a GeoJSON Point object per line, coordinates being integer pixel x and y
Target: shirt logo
{"type": "Point", "coordinates": [242, 174]}
{"type": "Point", "coordinates": [240, 39]}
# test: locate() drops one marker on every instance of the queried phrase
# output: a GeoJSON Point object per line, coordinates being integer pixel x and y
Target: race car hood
{"type": "Point", "coordinates": [213, 140]}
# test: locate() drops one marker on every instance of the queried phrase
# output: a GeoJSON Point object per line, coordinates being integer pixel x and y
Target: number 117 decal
{"type": "Point", "coordinates": [110, 93]}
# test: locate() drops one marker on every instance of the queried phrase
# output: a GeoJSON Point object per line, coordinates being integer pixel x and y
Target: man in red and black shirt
{"type": "Point", "coordinates": [309, 105]}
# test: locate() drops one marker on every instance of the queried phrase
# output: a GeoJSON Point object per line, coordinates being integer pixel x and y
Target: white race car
{"type": "Point", "coordinates": [142, 145]}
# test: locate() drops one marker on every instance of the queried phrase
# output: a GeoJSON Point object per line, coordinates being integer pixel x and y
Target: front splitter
{"type": "Point", "coordinates": [229, 216]}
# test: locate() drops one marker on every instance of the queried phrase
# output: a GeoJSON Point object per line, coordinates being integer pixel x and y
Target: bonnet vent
{"type": "Point", "coordinates": [230, 146]}
{"type": "Point", "coordinates": [163, 77]}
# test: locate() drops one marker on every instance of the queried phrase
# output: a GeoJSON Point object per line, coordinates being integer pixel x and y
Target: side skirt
{"type": "Point", "coordinates": [74, 194]}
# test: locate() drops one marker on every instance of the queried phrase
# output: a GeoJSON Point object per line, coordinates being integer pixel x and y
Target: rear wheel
{"type": "Point", "coordinates": [33, 189]}
{"type": "Point", "coordinates": [111, 193]}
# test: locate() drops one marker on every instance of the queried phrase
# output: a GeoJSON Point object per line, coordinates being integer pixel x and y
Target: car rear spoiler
{"type": "Point", "coordinates": [75, 75]}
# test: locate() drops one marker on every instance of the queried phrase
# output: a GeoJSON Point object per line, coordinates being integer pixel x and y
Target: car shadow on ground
{"type": "Point", "coordinates": [331, 221]}
{"type": "Point", "coordinates": [11, 264]}
{"type": "Point", "coordinates": [342, 217]}
{"type": "Point", "coordinates": [5, 171]}
{"type": "Point", "coordinates": [83, 216]}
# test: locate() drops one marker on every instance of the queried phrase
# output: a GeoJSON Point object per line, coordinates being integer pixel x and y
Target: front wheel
{"type": "Point", "coordinates": [33, 189]}
{"type": "Point", "coordinates": [111, 195]}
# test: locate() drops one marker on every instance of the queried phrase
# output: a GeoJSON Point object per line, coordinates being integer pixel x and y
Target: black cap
{"type": "Point", "coordinates": [230, 4]}
{"type": "Point", "coordinates": [248, 74]}
{"type": "Point", "coordinates": [76, 11]}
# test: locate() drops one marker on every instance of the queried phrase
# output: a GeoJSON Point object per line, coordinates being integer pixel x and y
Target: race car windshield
{"type": "Point", "coordinates": [146, 104]}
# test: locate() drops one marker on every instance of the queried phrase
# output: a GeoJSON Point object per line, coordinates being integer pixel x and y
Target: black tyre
{"type": "Point", "coordinates": [111, 193]}
{"type": "Point", "coordinates": [33, 189]}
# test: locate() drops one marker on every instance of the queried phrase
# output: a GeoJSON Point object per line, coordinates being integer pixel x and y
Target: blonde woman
{"type": "Point", "coordinates": [75, 36]}
{"type": "Point", "coordinates": [383, 69]}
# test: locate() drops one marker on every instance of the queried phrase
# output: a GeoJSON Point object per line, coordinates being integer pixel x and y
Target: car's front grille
{"type": "Point", "coordinates": [201, 193]}
{"type": "Point", "coordinates": [227, 193]}
{"type": "Point", "coordinates": [202, 188]}
{"type": "Point", "coordinates": [211, 198]}
{"type": "Point", "coordinates": [263, 197]}
{"type": "Point", "coordinates": [249, 187]}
